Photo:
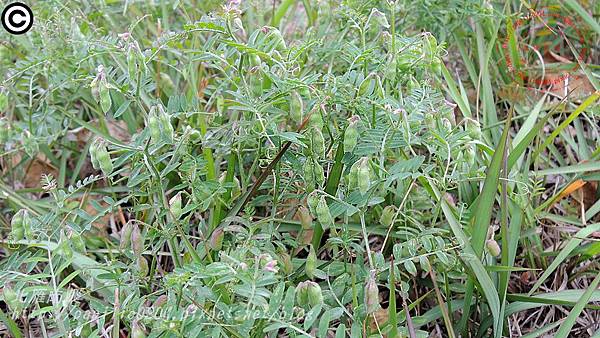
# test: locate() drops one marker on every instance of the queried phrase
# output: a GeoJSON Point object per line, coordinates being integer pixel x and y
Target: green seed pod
{"type": "Point", "coordinates": [11, 298]}
{"type": "Point", "coordinates": [277, 39]}
{"type": "Point", "coordinates": [473, 128]}
{"type": "Point", "coordinates": [309, 175]}
{"type": "Point", "coordinates": [387, 215]}
{"type": "Point", "coordinates": [125, 239]}
{"type": "Point", "coordinates": [317, 142]}
{"type": "Point", "coordinates": [175, 206]}
{"type": "Point", "coordinates": [153, 124]}
{"type": "Point", "coordinates": [380, 18]}
{"type": "Point", "coordinates": [319, 174]}
{"type": "Point", "coordinates": [316, 121]}
{"type": "Point", "coordinates": [137, 240]}
{"type": "Point", "coordinates": [470, 153]}
{"type": "Point", "coordinates": [323, 213]}
{"type": "Point", "coordinates": [216, 239]}
{"type": "Point", "coordinates": [64, 248]}
{"type": "Point", "coordinates": [302, 294]}
{"type": "Point", "coordinates": [77, 242]}
{"type": "Point", "coordinates": [30, 144]}
{"type": "Point", "coordinates": [493, 247]}
{"type": "Point", "coordinates": [95, 89]}
{"type": "Point", "coordinates": [164, 121]}
{"type": "Point", "coordinates": [308, 294]}
{"type": "Point", "coordinates": [137, 331]}
{"type": "Point", "coordinates": [195, 135]}
{"type": "Point", "coordinates": [351, 135]}
{"type": "Point", "coordinates": [105, 100]}
{"type": "Point", "coordinates": [254, 60]}
{"type": "Point", "coordinates": [312, 200]}
{"type": "Point", "coordinates": [296, 107]}
{"type": "Point", "coordinates": [102, 156]}
{"type": "Point", "coordinates": [142, 266]}
{"type": "Point", "coordinates": [18, 224]}
{"type": "Point", "coordinates": [315, 295]}
{"type": "Point", "coordinates": [412, 83]}
{"type": "Point", "coordinates": [311, 263]}
{"type": "Point", "coordinates": [306, 218]}
{"type": "Point", "coordinates": [371, 294]}
{"type": "Point", "coordinates": [391, 69]}
{"type": "Point", "coordinates": [364, 175]}
{"type": "Point", "coordinates": [353, 176]}
{"type": "Point", "coordinates": [286, 262]}
{"type": "Point", "coordinates": [132, 68]}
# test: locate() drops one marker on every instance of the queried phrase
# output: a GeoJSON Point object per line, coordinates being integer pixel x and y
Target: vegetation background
{"type": "Point", "coordinates": [301, 168]}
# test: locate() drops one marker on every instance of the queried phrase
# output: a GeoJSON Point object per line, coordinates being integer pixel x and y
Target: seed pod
{"type": "Point", "coordinates": [312, 200]}
{"type": "Point", "coordinates": [105, 100]}
{"type": "Point", "coordinates": [216, 239]}
{"type": "Point", "coordinates": [353, 176]}
{"type": "Point", "coordinates": [153, 124]}
{"type": "Point", "coordinates": [137, 331]}
{"type": "Point", "coordinates": [195, 135]}
{"type": "Point", "coordinates": [309, 175]}
{"type": "Point", "coordinates": [94, 87]}
{"type": "Point", "coordinates": [371, 294]}
{"type": "Point", "coordinates": [473, 128]}
{"type": "Point", "coordinates": [64, 248]}
{"type": "Point", "coordinates": [276, 38]}
{"type": "Point", "coordinates": [142, 266]}
{"type": "Point", "coordinates": [30, 144]}
{"type": "Point", "coordinates": [308, 294]}
{"type": "Point", "coordinates": [323, 213]}
{"type": "Point", "coordinates": [286, 262]}
{"type": "Point", "coordinates": [296, 107]}
{"type": "Point", "coordinates": [391, 69]}
{"type": "Point", "coordinates": [387, 215]}
{"type": "Point", "coordinates": [311, 263]}
{"type": "Point", "coordinates": [125, 239]}
{"type": "Point", "coordinates": [316, 121]}
{"type": "Point", "coordinates": [78, 242]}
{"type": "Point", "coordinates": [493, 247]}
{"type": "Point", "coordinates": [379, 18]}
{"type": "Point", "coordinates": [11, 298]}
{"type": "Point", "coordinates": [470, 153]}
{"type": "Point", "coordinates": [305, 217]}
{"type": "Point", "coordinates": [175, 206]}
{"type": "Point", "coordinates": [164, 121]}
{"type": "Point", "coordinates": [302, 294]}
{"type": "Point", "coordinates": [364, 175]}
{"type": "Point", "coordinates": [315, 295]}
{"type": "Point", "coordinates": [18, 224]}
{"type": "Point", "coordinates": [131, 64]}
{"type": "Point", "coordinates": [351, 136]}
{"type": "Point", "coordinates": [137, 240]}
{"type": "Point", "coordinates": [102, 156]}
{"type": "Point", "coordinates": [317, 142]}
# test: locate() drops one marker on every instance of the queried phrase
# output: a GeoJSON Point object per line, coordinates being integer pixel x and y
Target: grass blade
{"type": "Point", "coordinates": [567, 325]}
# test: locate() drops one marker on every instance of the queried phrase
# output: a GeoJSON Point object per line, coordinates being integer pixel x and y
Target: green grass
{"type": "Point", "coordinates": [207, 168]}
